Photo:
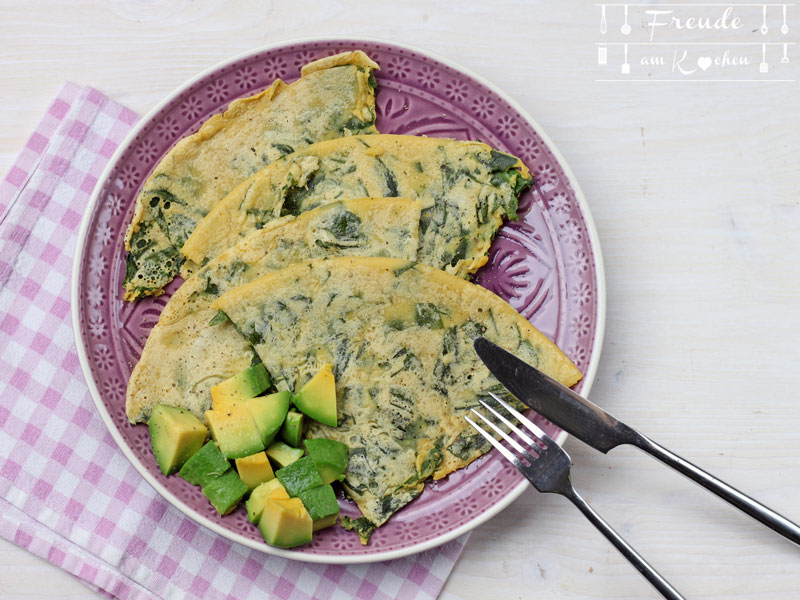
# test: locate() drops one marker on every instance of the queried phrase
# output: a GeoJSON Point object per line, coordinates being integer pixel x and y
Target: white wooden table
{"type": "Point", "coordinates": [695, 188]}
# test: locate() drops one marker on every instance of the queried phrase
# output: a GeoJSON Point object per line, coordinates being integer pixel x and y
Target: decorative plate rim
{"type": "Point", "coordinates": [514, 493]}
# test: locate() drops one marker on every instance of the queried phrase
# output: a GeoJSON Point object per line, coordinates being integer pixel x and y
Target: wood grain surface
{"type": "Point", "coordinates": [694, 189]}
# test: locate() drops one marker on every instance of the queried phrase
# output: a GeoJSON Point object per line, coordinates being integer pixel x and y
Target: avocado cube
{"type": "Point", "coordinates": [317, 398]}
{"type": "Point", "coordinates": [321, 504]}
{"type": "Point", "coordinates": [283, 454]}
{"type": "Point", "coordinates": [206, 464]}
{"type": "Point", "coordinates": [254, 469]}
{"type": "Point", "coordinates": [299, 476]}
{"type": "Point", "coordinates": [225, 491]}
{"type": "Point", "coordinates": [292, 430]}
{"type": "Point", "coordinates": [176, 434]}
{"type": "Point", "coordinates": [269, 413]}
{"type": "Point", "coordinates": [246, 384]}
{"type": "Point", "coordinates": [285, 523]}
{"type": "Point", "coordinates": [330, 458]}
{"type": "Point", "coordinates": [255, 503]}
{"type": "Point", "coordinates": [235, 431]}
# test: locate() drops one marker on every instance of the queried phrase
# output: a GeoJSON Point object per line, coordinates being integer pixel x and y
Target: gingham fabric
{"type": "Point", "coordinates": [67, 493]}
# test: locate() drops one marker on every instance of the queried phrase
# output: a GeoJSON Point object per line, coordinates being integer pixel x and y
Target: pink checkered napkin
{"type": "Point", "coordinates": [67, 493]}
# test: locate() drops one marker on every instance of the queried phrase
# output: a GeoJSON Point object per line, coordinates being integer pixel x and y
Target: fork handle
{"type": "Point", "coordinates": [654, 577]}
{"type": "Point", "coordinates": [730, 494]}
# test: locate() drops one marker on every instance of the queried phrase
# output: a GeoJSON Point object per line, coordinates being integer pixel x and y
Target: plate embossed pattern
{"type": "Point", "coordinates": [544, 264]}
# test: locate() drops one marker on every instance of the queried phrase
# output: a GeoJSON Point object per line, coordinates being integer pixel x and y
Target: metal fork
{"type": "Point", "coordinates": [547, 466]}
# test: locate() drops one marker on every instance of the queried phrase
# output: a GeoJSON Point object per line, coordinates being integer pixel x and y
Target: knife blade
{"type": "Point", "coordinates": [554, 401]}
{"type": "Point", "coordinates": [598, 429]}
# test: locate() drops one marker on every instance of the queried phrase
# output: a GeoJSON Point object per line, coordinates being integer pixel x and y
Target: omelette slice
{"type": "Point", "coordinates": [335, 96]}
{"type": "Point", "coordinates": [466, 188]}
{"type": "Point", "coordinates": [399, 335]}
{"type": "Point", "coordinates": [184, 355]}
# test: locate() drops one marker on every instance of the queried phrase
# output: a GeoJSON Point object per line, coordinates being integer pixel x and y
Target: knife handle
{"type": "Point", "coordinates": [730, 494]}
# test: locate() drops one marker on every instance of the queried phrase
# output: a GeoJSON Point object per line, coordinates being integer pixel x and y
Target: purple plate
{"type": "Point", "coordinates": [547, 265]}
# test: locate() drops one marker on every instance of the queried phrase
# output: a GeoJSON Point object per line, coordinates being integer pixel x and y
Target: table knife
{"type": "Point", "coordinates": [597, 428]}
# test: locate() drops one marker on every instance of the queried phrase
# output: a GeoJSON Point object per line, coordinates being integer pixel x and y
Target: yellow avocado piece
{"type": "Point", "coordinates": [283, 454]}
{"type": "Point", "coordinates": [317, 398]}
{"type": "Point", "coordinates": [254, 469]}
{"type": "Point", "coordinates": [285, 523]}
{"type": "Point", "coordinates": [235, 431]}
{"type": "Point", "coordinates": [255, 503]}
{"type": "Point", "coordinates": [176, 434]}
{"type": "Point", "coordinates": [242, 386]}
{"type": "Point", "coordinates": [273, 489]}
{"type": "Point", "coordinates": [269, 413]}
{"type": "Point", "coordinates": [324, 522]}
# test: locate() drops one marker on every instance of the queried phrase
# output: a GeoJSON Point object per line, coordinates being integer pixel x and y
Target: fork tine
{"type": "Point", "coordinates": [503, 450]}
{"type": "Point", "coordinates": [517, 446]}
{"type": "Point", "coordinates": [510, 425]}
{"type": "Point", "coordinates": [526, 423]}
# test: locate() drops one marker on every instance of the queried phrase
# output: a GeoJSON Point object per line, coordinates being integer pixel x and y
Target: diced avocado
{"type": "Point", "coordinates": [235, 430]}
{"type": "Point", "coordinates": [247, 384]}
{"type": "Point", "coordinates": [254, 469]}
{"type": "Point", "coordinates": [285, 523]}
{"type": "Point", "coordinates": [292, 430]}
{"type": "Point", "coordinates": [284, 454]}
{"type": "Point", "coordinates": [321, 504]}
{"type": "Point", "coordinates": [225, 491]}
{"type": "Point", "coordinates": [206, 464]}
{"type": "Point", "coordinates": [330, 458]}
{"type": "Point", "coordinates": [255, 503]}
{"type": "Point", "coordinates": [324, 522]}
{"type": "Point", "coordinates": [176, 434]}
{"type": "Point", "coordinates": [269, 413]}
{"type": "Point", "coordinates": [317, 398]}
{"type": "Point", "coordinates": [299, 476]}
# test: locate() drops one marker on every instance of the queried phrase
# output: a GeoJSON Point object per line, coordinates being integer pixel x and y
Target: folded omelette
{"type": "Point", "coordinates": [335, 96]}
{"type": "Point", "coordinates": [466, 189]}
{"type": "Point", "coordinates": [399, 335]}
{"type": "Point", "coordinates": [185, 355]}
{"type": "Point", "coordinates": [475, 196]}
